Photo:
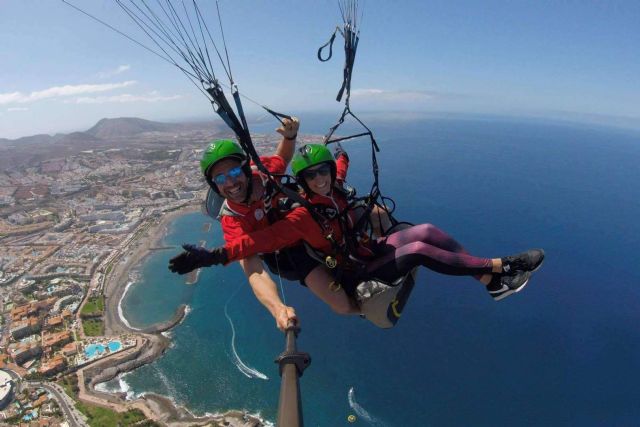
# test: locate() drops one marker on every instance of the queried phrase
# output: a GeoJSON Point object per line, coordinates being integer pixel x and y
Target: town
{"type": "Point", "coordinates": [67, 216]}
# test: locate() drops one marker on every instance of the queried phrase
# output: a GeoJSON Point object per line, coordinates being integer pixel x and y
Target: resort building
{"type": "Point", "coordinates": [51, 341]}
{"type": "Point", "coordinates": [26, 327]}
{"type": "Point", "coordinates": [22, 352]}
{"type": "Point", "coordinates": [41, 400]}
{"type": "Point", "coordinates": [53, 322]}
{"type": "Point", "coordinates": [31, 309]}
{"type": "Point", "coordinates": [53, 366]}
{"type": "Point", "coordinates": [6, 389]}
{"type": "Point", "coordinates": [70, 349]}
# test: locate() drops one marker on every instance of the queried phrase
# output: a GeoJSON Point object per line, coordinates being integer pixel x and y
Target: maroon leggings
{"type": "Point", "coordinates": [424, 245]}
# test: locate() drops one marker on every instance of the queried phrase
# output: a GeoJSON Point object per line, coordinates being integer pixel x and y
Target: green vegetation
{"type": "Point", "coordinates": [148, 423]}
{"type": "Point", "coordinates": [34, 376]}
{"type": "Point", "coordinates": [93, 306]}
{"type": "Point", "coordinates": [70, 385]}
{"type": "Point", "coordinates": [102, 417]}
{"type": "Point", "coordinates": [15, 420]}
{"type": "Point", "coordinates": [93, 327]}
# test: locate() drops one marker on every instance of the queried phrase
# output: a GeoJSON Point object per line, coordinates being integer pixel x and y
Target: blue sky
{"type": "Point", "coordinates": [61, 71]}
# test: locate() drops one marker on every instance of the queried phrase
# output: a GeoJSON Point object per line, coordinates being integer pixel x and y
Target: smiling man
{"type": "Point", "coordinates": [249, 204]}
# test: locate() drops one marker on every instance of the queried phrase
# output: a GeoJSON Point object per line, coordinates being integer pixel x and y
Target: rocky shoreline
{"type": "Point", "coordinates": [178, 317]}
{"type": "Point", "coordinates": [151, 345]}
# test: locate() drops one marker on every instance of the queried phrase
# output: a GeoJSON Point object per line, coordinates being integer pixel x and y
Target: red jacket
{"type": "Point", "coordinates": [247, 218]}
{"type": "Point", "coordinates": [298, 225]}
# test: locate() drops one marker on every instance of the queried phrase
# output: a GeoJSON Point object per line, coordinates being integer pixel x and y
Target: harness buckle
{"type": "Point", "coordinates": [331, 262]}
{"type": "Point", "coordinates": [335, 287]}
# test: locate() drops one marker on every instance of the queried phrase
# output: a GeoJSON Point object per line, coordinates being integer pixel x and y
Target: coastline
{"type": "Point", "coordinates": [151, 344]}
{"type": "Point", "coordinates": [117, 283]}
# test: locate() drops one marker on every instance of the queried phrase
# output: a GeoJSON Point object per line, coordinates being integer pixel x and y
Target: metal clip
{"type": "Point", "coordinates": [331, 262]}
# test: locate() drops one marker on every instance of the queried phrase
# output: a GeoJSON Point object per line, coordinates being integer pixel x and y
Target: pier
{"type": "Point", "coordinates": [192, 277]}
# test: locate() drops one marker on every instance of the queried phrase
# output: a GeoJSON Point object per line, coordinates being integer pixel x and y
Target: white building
{"type": "Point", "coordinates": [105, 216]}
{"type": "Point", "coordinates": [6, 386]}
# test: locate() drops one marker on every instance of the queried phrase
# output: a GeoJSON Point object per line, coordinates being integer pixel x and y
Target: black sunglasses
{"type": "Point", "coordinates": [323, 170]}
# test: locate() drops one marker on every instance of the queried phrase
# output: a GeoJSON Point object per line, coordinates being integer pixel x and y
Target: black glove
{"type": "Point", "coordinates": [195, 257]}
{"type": "Point", "coordinates": [339, 151]}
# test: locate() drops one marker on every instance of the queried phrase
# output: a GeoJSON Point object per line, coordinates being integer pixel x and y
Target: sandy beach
{"type": "Point", "coordinates": [116, 283]}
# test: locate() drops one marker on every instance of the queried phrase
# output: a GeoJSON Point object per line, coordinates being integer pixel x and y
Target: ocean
{"type": "Point", "coordinates": [565, 351]}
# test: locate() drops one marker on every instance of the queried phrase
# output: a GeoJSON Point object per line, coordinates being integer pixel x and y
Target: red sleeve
{"type": "Point", "coordinates": [342, 164]}
{"type": "Point", "coordinates": [233, 228]}
{"type": "Point", "coordinates": [274, 164]}
{"type": "Point", "coordinates": [298, 225]}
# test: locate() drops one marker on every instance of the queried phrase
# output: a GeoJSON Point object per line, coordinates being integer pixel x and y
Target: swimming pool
{"type": "Point", "coordinates": [93, 350]}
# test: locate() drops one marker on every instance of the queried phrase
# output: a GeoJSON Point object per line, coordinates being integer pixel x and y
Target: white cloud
{"type": "Point", "coordinates": [394, 95]}
{"type": "Point", "coordinates": [8, 98]}
{"type": "Point", "coordinates": [119, 70]}
{"type": "Point", "coordinates": [124, 98]}
{"type": "Point", "coordinates": [61, 91]}
{"type": "Point", "coordinates": [11, 109]}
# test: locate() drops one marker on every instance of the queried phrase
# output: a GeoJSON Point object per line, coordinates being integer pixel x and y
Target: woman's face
{"type": "Point", "coordinates": [318, 178]}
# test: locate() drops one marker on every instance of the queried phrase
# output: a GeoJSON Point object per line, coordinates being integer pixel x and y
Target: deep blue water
{"type": "Point", "coordinates": [565, 351]}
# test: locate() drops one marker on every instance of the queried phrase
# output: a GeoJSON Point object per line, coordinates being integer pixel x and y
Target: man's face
{"type": "Point", "coordinates": [234, 186]}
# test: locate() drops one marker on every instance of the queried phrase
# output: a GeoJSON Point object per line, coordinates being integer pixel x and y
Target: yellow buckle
{"type": "Point", "coordinates": [331, 262]}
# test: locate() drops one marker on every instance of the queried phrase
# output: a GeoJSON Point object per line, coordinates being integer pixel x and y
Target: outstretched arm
{"type": "Point", "coordinates": [342, 164]}
{"type": "Point", "coordinates": [297, 226]}
{"type": "Point", "coordinates": [266, 291]}
{"type": "Point", "coordinates": [289, 132]}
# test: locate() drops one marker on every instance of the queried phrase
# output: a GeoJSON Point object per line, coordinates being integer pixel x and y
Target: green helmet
{"type": "Point", "coordinates": [310, 155]}
{"type": "Point", "coordinates": [218, 150]}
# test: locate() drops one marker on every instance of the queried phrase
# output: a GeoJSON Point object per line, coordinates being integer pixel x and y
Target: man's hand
{"type": "Point", "coordinates": [289, 128]}
{"type": "Point", "coordinates": [284, 316]}
{"type": "Point", "coordinates": [195, 257]}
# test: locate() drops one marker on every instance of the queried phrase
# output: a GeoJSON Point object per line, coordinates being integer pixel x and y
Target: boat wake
{"type": "Point", "coordinates": [360, 411]}
{"type": "Point", "coordinates": [242, 367]}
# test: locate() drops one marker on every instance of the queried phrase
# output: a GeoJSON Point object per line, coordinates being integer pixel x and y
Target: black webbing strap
{"type": "Point", "coordinates": [240, 128]}
{"type": "Point", "coordinates": [330, 44]}
{"type": "Point", "coordinates": [278, 116]}
{"type": "Point", "coordinates": [351, 40]}
{"type": "Point", "coordinates": [350, 46]}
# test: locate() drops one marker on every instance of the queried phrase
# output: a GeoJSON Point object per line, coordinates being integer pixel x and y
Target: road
{"type": "Point", "coordinates": [71, 414]}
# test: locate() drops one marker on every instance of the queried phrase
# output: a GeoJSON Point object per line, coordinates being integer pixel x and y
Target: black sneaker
{"type": "Point", "coordinates": [502, 286]}
{"type": "Point", "coordinates": [527, 261]}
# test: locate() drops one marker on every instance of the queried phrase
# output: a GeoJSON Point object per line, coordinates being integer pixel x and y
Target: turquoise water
{"type": "Point", "coordinates": [565, 351]}
{"type": "Point", "coordinates": [97, 349]}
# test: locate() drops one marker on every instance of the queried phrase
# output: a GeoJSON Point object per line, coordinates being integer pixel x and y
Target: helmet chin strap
{"type": "Point", "coordinates": [249, 190]}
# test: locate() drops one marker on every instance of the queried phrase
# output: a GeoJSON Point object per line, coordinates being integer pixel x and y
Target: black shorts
{"type": "Point", "coordinates": [292, 263]}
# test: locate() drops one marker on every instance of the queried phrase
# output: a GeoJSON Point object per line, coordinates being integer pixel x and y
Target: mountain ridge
{"type": "Point", "coordinates": [114, 128]}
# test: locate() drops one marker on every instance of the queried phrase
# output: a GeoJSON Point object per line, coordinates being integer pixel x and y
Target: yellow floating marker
{"type": "Point", "coordinates": [351, 418]}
